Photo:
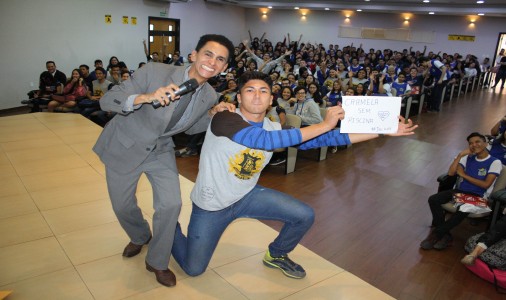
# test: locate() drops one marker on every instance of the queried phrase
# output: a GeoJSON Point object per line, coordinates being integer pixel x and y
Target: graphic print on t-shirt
{"type": "Point", "coordinates": [246, 163]}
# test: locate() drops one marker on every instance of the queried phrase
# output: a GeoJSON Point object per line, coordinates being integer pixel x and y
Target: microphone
{"type": "Point", "coordinates": [185, 88]}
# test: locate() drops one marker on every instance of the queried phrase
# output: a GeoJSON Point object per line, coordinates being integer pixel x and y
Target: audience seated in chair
{"type": "Point", "coordinates": [478, 171]}
{"type": "Point", "coordinates": [50, 82]}
{"type": "Point", "coordinates": [100, 87]}
{"type": "Point", "coordinates": [74, 90]}
{"type": "Point", "coordinates": [101, 117]}
{"type": "Point", "coordinates": [305, 108]}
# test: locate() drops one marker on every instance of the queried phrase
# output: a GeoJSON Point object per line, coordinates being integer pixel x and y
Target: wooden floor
{"type": "Point", "coordinates": [371, 202]}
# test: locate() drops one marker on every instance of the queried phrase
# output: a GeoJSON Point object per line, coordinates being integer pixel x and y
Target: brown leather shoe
{"type": "Point", "coordinates": [133, 249]}
{"type": "Point", "coordinates": [164, 277]}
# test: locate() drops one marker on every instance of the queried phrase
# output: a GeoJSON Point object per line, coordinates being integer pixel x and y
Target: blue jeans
{"type": "Point", "coordinates": [194, 252]}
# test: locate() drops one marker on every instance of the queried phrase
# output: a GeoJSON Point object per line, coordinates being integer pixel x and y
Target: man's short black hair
{"type": "Point", "coordinates": [101, 70]}
{"type": "Point", "coordinates": [254, 75]}
{"type": "Point", "coordinates": [84, 66]}
{"type": "Point", "coordinates": [481, 136]}
{"type": "Point", "coordinates": [50, 62]}
{"type": "Point", "coordinates": [218, 38]}
{"type": "Point", "coordinates": [122, 65]}
{"type": "Point", "coordinates": [299, 88]}
{"type": "Point", "coordinates": [98, 61]}
{"type": "Point", "coordinates": [423, 59]}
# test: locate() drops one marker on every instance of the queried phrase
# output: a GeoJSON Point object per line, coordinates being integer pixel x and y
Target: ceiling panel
{"type": "Point", "coordinates": [493, 8]}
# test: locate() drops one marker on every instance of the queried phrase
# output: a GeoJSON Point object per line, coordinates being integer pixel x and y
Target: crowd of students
{"type": "Point", "coordinates": [324, 74]}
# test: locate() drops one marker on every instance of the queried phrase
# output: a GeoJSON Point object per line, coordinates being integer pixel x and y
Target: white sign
{"type": "Point", "coordinates": [370, 114]}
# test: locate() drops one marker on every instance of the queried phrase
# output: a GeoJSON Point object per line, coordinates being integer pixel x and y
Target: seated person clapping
{"type": "Point", "coordinates": [377, 85]}
{"type": "Point", "coordinates": [74, 89]}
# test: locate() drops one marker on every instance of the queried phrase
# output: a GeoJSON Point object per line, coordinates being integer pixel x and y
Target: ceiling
{"type": "Point", "coordinates": [492, 8]}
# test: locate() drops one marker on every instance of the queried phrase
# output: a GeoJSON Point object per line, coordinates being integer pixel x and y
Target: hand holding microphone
{"type": "Point", "coordinates": [184, 88]}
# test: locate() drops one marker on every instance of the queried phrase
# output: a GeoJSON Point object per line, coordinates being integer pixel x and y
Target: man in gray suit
{"type": "Point", "coordinates": [139, 140]}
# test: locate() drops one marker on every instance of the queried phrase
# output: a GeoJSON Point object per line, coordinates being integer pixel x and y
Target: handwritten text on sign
{"type": "Point", "coordinates": [370, 114]}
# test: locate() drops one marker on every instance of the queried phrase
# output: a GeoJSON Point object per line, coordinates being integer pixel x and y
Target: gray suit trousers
{"type": "Point", "coordinates": [161, 171]}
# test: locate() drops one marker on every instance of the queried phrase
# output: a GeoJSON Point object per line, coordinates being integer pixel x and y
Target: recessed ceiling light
{"type": "Point", "coordinates": [359, 10]}
{"type": "Point", "coordinates": [481, 14]}
{"type": "Point", "coordinates": [367, 0]}
{"type": "Point", "coordinates": [431, 13]}
{"type": "Point", "coordinates": [296, 7]}
{"type": "Point", "coordinates": [480, 2]}
{"type": "Point", "coordinates": [269, 7]}
{"type": "Point", "coordinates": [326, 8]}
{"type": "Point", "coordinates": [426, 1]}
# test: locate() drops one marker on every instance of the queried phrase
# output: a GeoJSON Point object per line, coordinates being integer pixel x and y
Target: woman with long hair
{"type": "Point", "coordinates": [74, 89]}
{"type": "Point", "coordinates": [113, 61]}
{"type": "Point", "coordinates": [314, 93]}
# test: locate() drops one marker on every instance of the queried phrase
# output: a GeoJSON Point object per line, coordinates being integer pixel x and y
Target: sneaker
{"type": "Point", "coordinates": [277, 161]}
{"type": "Point", "coordinates": [444, 242]}
{"type": "Point", "coordinates": [429, 242]}
{"type": "Point", "coordinates": [285, 264]}
{"type": "Point", "coordinates": [26, 101]}
{"type": "Point", "coordinates": [468, 260]}
{"type": "Point", "coordinates": [333, 149]}
{"type": "Point", "coordinates": [191, 152]}
{"type": "Point", "coordinates": [181, 151]}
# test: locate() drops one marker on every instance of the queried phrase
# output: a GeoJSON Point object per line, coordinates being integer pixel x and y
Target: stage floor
{"type": "Point", "coordinates": [61, 239]}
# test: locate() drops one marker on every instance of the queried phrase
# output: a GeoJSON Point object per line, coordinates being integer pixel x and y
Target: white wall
{"type": "Point", "coordinates": [323, 26]}
{"type": "Point", "coordinates": [73, 32]}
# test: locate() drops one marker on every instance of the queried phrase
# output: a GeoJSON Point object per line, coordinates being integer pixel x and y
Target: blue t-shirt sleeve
{"type": "Point", "coordinates": [331, 138]}
{"type": "Point", "coordinates": [234, 127]}
{"type": "Point", "coordinates": [259, 138]}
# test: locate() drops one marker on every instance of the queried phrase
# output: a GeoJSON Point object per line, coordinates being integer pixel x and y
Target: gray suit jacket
{"type": "Point", "coordinates": [129, 137]}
